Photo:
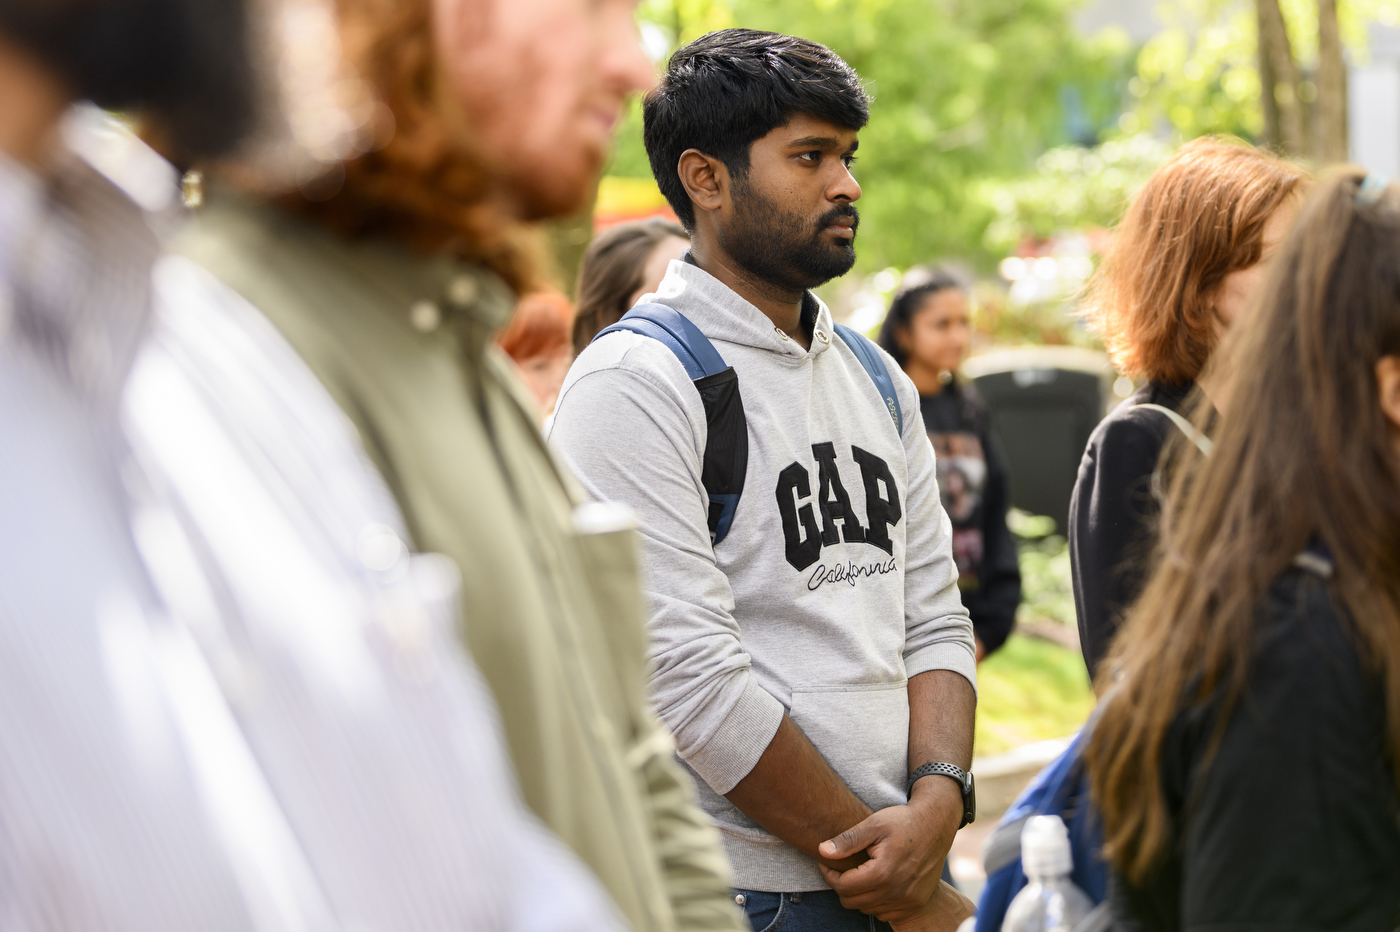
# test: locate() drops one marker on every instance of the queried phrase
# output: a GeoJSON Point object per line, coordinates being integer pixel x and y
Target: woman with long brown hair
{"type": "Point", "coordinates": [1244, 761]}
{"type": "Point", "coordinates": [1184, 264]}
{"type": "Point", "coordinates": [620, 265]}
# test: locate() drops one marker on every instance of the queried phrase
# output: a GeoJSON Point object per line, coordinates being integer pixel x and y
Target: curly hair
{"type": "Point", "coordinates": [425, 186]}
{"type": "Point", "coordinates": [1198, 218]}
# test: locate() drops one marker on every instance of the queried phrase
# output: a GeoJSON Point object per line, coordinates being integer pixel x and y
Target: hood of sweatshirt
{"type": "Point", "coordinates": [725, 317]}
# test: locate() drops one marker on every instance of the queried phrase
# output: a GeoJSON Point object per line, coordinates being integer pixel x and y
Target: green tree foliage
{"type": "Point", "coordinates": [964, 90]}
{"type": "Point", "coordinates": [1071, 187]}
{"type": "Point", "coordinates": [1200, 75]}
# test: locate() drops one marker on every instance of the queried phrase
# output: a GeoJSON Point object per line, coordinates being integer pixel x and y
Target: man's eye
{"type": "Point", "coordinates": [848, 160]}
{"type": "Point", "coordinates": [813, 156]}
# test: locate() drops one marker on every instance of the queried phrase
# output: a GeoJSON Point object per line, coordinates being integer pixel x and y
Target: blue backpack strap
{"type": "Point", "coordinates": [671, 328]}
{"type": "Point", "coordinates": [726, 455]}
{"type": "Point", "coordinates": [874, 367]}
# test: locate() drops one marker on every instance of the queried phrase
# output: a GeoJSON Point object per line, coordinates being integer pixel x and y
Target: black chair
{"type": "Point", "coordinates": [1044, 401]}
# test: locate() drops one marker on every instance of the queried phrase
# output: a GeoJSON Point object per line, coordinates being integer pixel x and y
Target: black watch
{"type": "Point", "coordinates": [969, 791]}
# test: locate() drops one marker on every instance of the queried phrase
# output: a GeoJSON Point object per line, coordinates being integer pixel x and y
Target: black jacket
{"type": "Point", "coordinates": [1295, 823]}
{"type": "Point", "coordinates": [989, 574]}
{"type": "Point", "coordinates": [1113, 513]}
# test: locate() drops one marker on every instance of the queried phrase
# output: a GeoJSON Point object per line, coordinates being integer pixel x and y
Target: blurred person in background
{"type": "Point", "coordinates": [622, 264]}
{"type": "Point", "coordinates": [226, 700]}
{"type": "Point", "coordinates": [391, 274]}
{"type": "Point", "coordinates": [927, 331]}
{"type": "Point", "coordinates": [812, 655]}
{"type": "Point", "coordinates": [1244, 761]}
{"type": "Point", "coordinates": [1181, 272]}
{"type": "Point", "coordinates": [537, 340]}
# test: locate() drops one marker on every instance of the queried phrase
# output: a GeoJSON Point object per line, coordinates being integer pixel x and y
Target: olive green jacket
{"type": "Point", "coordinates": [552, 613]}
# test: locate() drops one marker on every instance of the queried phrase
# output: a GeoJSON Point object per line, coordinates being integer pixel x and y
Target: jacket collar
{"type": "Point", "coordinates": [431, 292]}
{"type": "Point", "coordinates": [77, 243]}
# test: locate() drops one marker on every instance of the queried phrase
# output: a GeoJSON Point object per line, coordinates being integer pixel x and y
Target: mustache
{"type": "Point", "coordinates": [846, 210]}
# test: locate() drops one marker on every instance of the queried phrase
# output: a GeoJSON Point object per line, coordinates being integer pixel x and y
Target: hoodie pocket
{"type": "Point", "coordinates": [863, 732]}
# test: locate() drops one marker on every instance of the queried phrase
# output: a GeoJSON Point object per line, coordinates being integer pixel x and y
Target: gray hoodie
{"type": "Point", "coordinates": [835, 584]}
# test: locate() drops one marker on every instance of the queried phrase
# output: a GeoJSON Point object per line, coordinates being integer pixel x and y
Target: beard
{"type": "Point", "coordinates": [184, 63]}
{"type": "Point", "coordinates": [782, 248]}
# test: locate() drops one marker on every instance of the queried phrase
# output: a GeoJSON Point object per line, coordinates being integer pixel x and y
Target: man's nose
{"type": "Point", "coordinates": [624, 63]}
{"type": "Point", "coordinates": [844, 186]}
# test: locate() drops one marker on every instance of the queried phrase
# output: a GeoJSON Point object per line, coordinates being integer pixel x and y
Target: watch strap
{"type": "Point", "coordinates": [964, 781]}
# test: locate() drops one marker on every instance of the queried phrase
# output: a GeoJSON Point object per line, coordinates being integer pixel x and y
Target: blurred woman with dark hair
{"type": "Point", "coordinates": [927, 332]}
{"type": "Point", "coordinates": [1184, 264]}
{"type": "Point", "coordinates": [1244, 762]}
{"type": "Point", "coordinates": [622, 264]}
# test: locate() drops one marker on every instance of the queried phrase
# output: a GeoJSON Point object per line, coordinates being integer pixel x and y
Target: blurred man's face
{"type": "Point", "coordinates": [184, 62]}
{"type": "Point", "coordinates": [542, 84]}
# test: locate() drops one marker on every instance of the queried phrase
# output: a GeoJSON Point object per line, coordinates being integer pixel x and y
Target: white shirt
{"type": "Point", "coordinates": [230, 698]}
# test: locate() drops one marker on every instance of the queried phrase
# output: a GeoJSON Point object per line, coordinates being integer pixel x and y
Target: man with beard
{"type": "Point", "coordinates": [229, 699]}
{"type": "Point", "coordinates": [812, 657]}
{"type": "Point", "coordinates": [390, 277]}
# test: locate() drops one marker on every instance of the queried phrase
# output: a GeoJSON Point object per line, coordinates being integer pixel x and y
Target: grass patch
{"type": "Point", "coordinates": [1030, 690]}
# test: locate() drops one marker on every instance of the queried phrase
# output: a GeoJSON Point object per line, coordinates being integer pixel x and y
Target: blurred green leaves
{"type": "Point", "coordinates": [1200, 74]}
{"type": "Point", "coordinates": [964, 90]}
{"type": "Point", "coordinates": [1030, 690]}
{"type": "Point", "coordinates": [994, 121]}
{"type": "Point", "coordinates": [1071, 187]}
{"type": "Point", "coordinates": [1047, 593]}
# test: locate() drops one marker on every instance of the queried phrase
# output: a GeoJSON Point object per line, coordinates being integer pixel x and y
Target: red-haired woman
{"type": "Point", "coordinates": [538, 340]}
{"type": "Point", "coordinates": [1245, 761]}
{"type": "Point", "coordinates": [1183, 266]}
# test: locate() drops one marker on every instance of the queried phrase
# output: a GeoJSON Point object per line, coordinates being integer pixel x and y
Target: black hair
{"type": "Point", "coordinates": [731, 87]}
{"type": "Point", "coordinates": [920, 284]}
{"type": "Point", "coordinates": [185, 63]}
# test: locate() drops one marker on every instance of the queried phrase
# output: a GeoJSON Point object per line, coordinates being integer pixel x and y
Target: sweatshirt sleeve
{"type": "Point", "coordinates": [938, 633]}
{"type": "Point", "coordinates": [632, 428]}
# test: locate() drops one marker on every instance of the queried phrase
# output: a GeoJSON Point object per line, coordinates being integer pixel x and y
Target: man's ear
{"type": "Point", "coordinates": [705, 178]}
{"type": "Point", "coordinates": [1388, 381]}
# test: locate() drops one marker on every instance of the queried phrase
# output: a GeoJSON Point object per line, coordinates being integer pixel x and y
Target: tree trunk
{"type": "Point", "coordinates": [1273, 39]}
{"type": "Point", "coordinates": [1267, 102]}
{"type": "Point", "coordinates": [1330, 110]}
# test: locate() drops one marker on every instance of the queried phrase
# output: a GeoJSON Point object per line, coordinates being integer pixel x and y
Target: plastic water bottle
{"type": "Point", "coordinates": [1049, 902]}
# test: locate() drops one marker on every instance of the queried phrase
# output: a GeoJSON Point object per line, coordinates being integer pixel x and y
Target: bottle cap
{"type": "Point", "coordinates": [1045, 847]}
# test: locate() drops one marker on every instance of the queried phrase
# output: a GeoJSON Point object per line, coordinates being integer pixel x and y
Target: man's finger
{"type": "Point", "coordinates": [854, 839]}
{"type": "Point", "coordinates": [870, 877]}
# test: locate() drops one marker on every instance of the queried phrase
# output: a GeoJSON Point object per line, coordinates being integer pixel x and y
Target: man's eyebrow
{"type": "Point", "coordinates": [819, 142]}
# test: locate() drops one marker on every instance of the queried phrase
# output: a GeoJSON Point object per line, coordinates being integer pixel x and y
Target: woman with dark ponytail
{"type": "Point", "coordinates": [927, 332]}
{"type": "Point", "coordinates": [1245, 758]}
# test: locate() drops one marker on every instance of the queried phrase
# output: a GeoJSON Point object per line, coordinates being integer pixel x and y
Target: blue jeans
{"type": "Point", "coordinates": [814, 911]}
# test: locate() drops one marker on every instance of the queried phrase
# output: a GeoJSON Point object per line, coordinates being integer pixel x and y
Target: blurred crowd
{"type": "Point", "coordinates": [357, 578]}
